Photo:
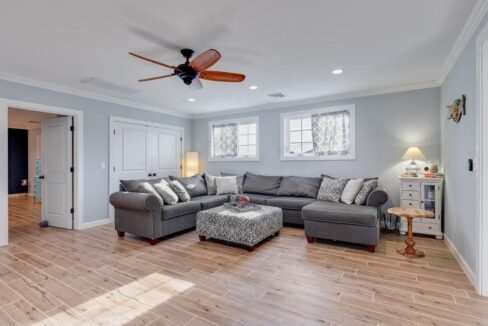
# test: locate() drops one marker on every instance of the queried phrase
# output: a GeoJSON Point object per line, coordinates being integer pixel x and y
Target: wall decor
{"type": "Point", "coordinates": [457, 109]}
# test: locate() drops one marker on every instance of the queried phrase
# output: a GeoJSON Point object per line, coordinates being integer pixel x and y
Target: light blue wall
{"type": "Point", "coordinates": [385, 126]}
{"type": "Point", "coordinates": [458, 141]}
{"type": "Point", "coordinates": [96, 136]}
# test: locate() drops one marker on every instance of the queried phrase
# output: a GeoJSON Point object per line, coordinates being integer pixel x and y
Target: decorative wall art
{"type": "Point", "coordinates": [457, 109]}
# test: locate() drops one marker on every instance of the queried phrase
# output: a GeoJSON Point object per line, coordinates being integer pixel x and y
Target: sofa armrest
{"type": "Point", "coordinates": [377, 197]}
{"type": "Point", "coordinates": [135, 201]}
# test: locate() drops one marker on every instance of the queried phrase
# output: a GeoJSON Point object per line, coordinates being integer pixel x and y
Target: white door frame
{"type": "Point", "coordinates": [482, 159]}
{"type": "Point", "coordinates": [5, 103]}
{"type": "Point", "coordinates": [112, 121]}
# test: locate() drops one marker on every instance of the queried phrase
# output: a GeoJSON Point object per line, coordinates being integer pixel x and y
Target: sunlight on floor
{"type": "Point", "coordinates": [127, 302]}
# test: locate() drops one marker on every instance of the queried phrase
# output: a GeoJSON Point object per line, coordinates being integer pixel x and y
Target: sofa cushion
{"type": "Point", "coordinates": [261, 184]}
{"type": "Point", "coordinates": [210, 201]}
{"type": "Point", "coordinates": [133, 185]}
{"type": "Point", "coordinates": [299, 187]}
{"type": "Point", "coordinates": [194, 185]}
{"type": "Point", "coordinates": [340, 213]}
{"type": "Point", "coordinates": [293, 203]}
{"type": "Point", "coordinates": [171, 211]}
{"type": "Point", "coordinates": [258, 198]}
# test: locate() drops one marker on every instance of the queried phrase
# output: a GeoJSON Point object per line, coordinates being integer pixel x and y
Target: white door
{"type": "Point", "coordinates": [57, 179]}
{"type": "Point", "coordinates": [167, 158]}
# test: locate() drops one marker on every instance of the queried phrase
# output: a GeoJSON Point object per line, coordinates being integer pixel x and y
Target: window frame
{"type": "Point", "coordinates": [285, 134]}
{"type": "Point", "coordinates": [238, 121]}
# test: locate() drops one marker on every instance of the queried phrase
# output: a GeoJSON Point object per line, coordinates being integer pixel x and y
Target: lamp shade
{"type": "Point", "coordinates": [413, 153]}
{"type": "Point", "coordinates": [191, 163]}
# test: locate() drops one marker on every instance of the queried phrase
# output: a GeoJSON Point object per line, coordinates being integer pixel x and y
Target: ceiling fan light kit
{"type": "Point", "coordinates": [191, 72]}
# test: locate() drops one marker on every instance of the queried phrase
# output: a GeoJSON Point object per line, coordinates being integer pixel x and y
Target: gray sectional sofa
{"type": "Point", "coordinates": [141, 214]}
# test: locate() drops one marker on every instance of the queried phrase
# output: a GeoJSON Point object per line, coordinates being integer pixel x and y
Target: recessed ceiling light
{"type": "Point", "coordinates": [253, 87]}
{"type": "Point", "coordinates": [191, 99]}
{"type": "Point", "coordinates": [338, 71]}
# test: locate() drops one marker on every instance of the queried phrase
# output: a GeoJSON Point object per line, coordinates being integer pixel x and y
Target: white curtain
{"type": "Point", "coordinates": [225, 140]}
{"type": "Point", "coordinates": [331, 133]}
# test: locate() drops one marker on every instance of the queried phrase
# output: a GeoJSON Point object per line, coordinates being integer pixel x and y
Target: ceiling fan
{"type": "Point", "coordinates": [192, 71]}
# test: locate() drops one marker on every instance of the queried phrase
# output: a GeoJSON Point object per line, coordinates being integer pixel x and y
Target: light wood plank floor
{"type": "Point", "coordinates": [52, 276]}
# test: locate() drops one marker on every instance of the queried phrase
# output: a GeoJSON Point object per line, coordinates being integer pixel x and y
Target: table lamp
{"type": "Point", "coordinates": [413, 153]}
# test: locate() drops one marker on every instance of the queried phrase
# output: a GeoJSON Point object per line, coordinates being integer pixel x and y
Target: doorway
{"type": "Point", "coordinates": [40, 165]}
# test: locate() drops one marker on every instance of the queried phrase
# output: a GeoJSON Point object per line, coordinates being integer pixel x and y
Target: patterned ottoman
{"type": "Point", "coordinates": [247, 228]}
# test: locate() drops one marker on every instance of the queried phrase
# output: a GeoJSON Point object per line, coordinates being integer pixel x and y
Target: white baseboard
{"type": "Point", "coordinates": [460, 259]}
{"type": "Point", "coordinates": [23, 194]}
{"type": "Point", "coordinates": [88, 225]}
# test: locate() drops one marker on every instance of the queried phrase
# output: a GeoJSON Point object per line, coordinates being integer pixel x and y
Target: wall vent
{"type": "Point", "coordinates": [277, 95]}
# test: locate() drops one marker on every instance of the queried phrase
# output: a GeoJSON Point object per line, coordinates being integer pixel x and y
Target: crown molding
{"type": "Point", "coordinates": [474, 19]}
{"type": "Point", "coordinates": [318, 100]}
{"type": "Point", "coordinates": [86, 94]}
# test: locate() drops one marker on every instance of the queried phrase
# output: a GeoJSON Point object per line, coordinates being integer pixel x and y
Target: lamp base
{"type": "Point", "coordinates": [412, 169]}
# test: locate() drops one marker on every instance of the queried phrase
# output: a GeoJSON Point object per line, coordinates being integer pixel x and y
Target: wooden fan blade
{"type": "Point", "coordinates": [153, 61]}
{"type": "Point", "coordinates": [205, 60]}
{"type": "Point", "coordinates": [157, 77]}
{"type": "Point", "coordinates": [222, 76]}
{"type": "Point", "coordinates": [196, 84]}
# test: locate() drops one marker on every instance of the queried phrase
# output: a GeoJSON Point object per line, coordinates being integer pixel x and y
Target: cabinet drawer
{"type": "Point", "coordinates": [410, 185]}
{"type": "Point", "coordinates": [410, 195]}
{"type": "Point", "coordinates": [410, 203]}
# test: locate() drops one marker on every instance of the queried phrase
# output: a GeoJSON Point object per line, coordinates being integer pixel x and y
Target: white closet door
{"type": "Point", "coordinates": [57, 180]}
{"type": "Point", "coordinates": [131, 153]}
{"type": "Point", "coordinates": [167, 155]}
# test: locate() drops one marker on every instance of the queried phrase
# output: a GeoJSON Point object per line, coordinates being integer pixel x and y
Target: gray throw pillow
{"type": "Point", "coordinates": [179, 190]}
{"type": "Point", "coordinates": [299, 187]}
{"type": "Point", "coordinates": [366, 189]}
{"type": "Point", "coordinates": [331, 189]}
{"type": "Point", "coordinates": [164, 190]}
{"type": "Point", "coordinates": [194, 185]}
{"type": "Point", "coordinates": [240, 179]}
{"type": "Point", "coordinates": [148, 188]}
{"type": "Point", "coordinates": [211, 185]}
{"type": "Point", "coordinates": [261, 184]}
{"type": "Point", "coordinates": [134, 185]}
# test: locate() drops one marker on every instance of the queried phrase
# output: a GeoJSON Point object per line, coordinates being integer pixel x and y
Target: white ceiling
{"type": "Point", "coordinates": [26, 119]}
{"type": "Point", "coordinates": [287, 46]}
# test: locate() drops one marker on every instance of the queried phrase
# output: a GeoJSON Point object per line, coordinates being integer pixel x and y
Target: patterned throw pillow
{"type": "Point", "coordinates": [147, 188]}
{"type": "Point", "coordinates": [331, 189]}
{"type": "Point", "coordinates": [180, 191]}
{"type": "Point", "coordinates": [366, 189]}
{"type": "Point", "coordinates": [226, 185]}
{"type": "Point", "coordinates": [211, 185]}
{"type": "Point", "coordinates": [166, 193]}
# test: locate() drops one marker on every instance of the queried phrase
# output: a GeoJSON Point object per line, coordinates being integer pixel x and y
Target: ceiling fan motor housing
{"type": "Point", "coordinates": [186, 73]}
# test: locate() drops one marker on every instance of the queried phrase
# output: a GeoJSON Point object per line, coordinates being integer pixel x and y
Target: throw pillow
{"type": "Point", "coordinates": [331, 189]}
{"type": "Point", "coordinates": [366, 189]}
{"type": "Point", "coordinates": [211, 185]}
{"type": "Point", "coordinates": [166, 193]}
{"type": "Point", "coordinates": [179, 190]}
{"type": "Point", "coordinates": [194, 185]}
{"type": "Point", "coordinates": [351, 190]}
{"type": "Point", "coordinates": [240, 179]}
{"type": "Point", "coordinates": [135, 185]}
{"type": "Point", "coordinates": [147, 188]}
{"type": "Point", "coordinates": [226, 185]}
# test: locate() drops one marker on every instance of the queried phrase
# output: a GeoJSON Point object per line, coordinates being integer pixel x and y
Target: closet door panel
{"type": "Point", "coordinates": [168, 153]}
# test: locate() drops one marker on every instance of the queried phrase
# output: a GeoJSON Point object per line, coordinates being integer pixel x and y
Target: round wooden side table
{"type": "Point", "coordinates": [409, 214]}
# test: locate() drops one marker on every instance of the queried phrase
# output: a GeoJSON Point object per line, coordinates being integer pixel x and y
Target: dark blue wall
{"type": "Point", "coordinates": [18, 160]}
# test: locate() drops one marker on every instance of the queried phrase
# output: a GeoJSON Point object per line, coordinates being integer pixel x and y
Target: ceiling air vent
{"type": "Point", "coordinates": [277, 95]}
{"type": "Point", "coordinates": [99, 83]}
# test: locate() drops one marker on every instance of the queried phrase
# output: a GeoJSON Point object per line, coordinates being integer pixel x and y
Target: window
{"type": "Point", "coordinates": [234, 139]}
{"type": "Point", "coordinates": [325, 134]}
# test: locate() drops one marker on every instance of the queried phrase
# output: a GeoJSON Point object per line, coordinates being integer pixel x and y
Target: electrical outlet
{"type": "Point", "coordinates": [103, 165]}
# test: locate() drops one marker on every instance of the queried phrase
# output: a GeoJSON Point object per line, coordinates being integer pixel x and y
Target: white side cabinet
{"type": "Point", "coordinates": [424, 193]}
